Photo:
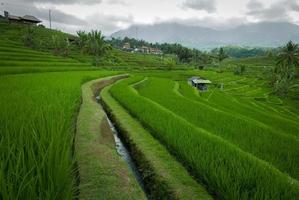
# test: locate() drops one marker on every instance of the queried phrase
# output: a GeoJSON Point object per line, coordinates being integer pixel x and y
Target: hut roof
{"type": "Point", "coordinates": [193, 78]}
{"type": "Point", "coordinates": [202, 81]}
{"type": "Point", "coordinates": [31, 18]}
{"type": "Point", "coordinates": [14, 17]}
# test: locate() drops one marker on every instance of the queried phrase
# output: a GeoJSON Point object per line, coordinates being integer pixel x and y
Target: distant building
{"type": "Point", "coordinates": [27, 19]}
{"type": "Point", "coordinates": [155, 51]}
{"type": "Point", "coordinates": [150, 50]}
{"type": "Point", "coordinates": [145, 49]}
{"type": "Point", "coordinates": [199, 83]}
{"type": "Point", "coordinates": [142, 49]}
{"type": "Point", "coordinates": [127, 46]}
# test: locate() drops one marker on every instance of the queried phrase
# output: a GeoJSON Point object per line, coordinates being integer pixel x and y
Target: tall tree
{"type": "Point", "coordinates": [289, 56]}
{"type": "Point", "coordinates": [82, 40]}
{"type": "Point", "coordinates": [97, 45]}
{"type": "Point", "coordinates": [221, 55]}
{"type": "Point", "coordinates": [285, 69]}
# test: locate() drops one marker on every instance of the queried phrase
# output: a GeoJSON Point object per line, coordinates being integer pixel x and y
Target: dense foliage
{"type": "Point", "coordinates": [243, 52]}
{"type": "Point", "coordinates": [286, 68]}
{"type": "Point", "coordinates": [184, 54]}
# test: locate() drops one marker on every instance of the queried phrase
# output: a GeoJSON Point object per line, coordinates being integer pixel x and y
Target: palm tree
{"type": "Point", "coordinates": [285, 69]}
{"type": "Point", "coordinates": [97, 45]}
{"type": "Point", "coordinates": [289, 56]}
{"type": "Point", "coordinates": [82, 40]}
{"type": "Point", "coordinates": [221, 55]}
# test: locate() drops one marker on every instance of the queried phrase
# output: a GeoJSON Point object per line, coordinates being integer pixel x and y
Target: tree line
{"type": "Point", "coordinates": [183, 54]}
{"type": "Point", "coordinates": [245, 52]}
{"type": "Point", "coordinates": [91, 43]}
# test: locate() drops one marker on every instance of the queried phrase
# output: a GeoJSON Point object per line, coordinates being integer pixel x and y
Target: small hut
{"type": "Point", "coordinates": [199, 83]}
{"type": "Point", "coordinates": [190, 80]}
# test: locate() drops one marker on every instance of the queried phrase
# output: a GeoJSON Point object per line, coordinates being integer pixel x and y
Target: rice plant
{"type": "Point", "coordinates": [37, 115]}
{"type": "Point", "coordinates": [228, 171]}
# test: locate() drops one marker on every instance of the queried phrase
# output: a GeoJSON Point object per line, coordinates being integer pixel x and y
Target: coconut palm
{"type": "Point", "coordinates": [285, 70]}
{"type": "Point", "coordinates": [82, 40]}
{"type": "Point", "coordinates": [221, 55]}
{"type": "Point", "coordinates": [97, 45]}
{"type": "Point", "coordinates": [289, 56]}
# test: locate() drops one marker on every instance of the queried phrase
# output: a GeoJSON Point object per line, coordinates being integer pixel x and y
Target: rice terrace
{"type": "Point", "coordinates": [106, 100]}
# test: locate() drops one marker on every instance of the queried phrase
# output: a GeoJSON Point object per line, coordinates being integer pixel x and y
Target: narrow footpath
{"type": "Point", "coordinates": [103, 173]}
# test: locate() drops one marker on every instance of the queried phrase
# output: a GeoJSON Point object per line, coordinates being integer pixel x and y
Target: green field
{"type": "Point", "coordinates": [239, 142]}
{"type": "Point", "coordinates": [38, 113]}
{"type": "Point", "coordinates": [227, 151]}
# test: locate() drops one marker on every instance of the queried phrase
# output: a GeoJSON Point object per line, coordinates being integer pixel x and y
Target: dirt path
{"type": "Point", "coordinates": [103, 173]}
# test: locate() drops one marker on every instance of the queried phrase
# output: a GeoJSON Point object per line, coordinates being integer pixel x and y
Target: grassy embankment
{"type": "Point", "coordinates": [15, 59]}
{"type": "Point", "coordinates": [164, 177]}
{"type": "Point", "coordinates": [103, 173]}
{"type": "Point", "coordinates": [228, 170]}
{"type": "Point", "coordinates": [38, 113]}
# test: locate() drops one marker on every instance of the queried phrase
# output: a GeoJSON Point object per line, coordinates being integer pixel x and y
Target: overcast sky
{"type": "Point", "coordinates": [112, 15]}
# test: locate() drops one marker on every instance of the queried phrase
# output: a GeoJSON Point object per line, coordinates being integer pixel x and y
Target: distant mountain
{"type": "Point", "coordinates": [265, 34]}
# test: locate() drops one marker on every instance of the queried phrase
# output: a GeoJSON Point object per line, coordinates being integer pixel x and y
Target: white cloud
{"type": "Point", "coordinates": [206, 5]}
{"type": "Point", "coordinates": [208, 22]}
{"type": "Point", "coordinates": [293, 5]}
{"type": "Point", "coordinates": [277, 11]}
{"type": "Point", "coordinates": [254, 5]}
{"type": "Point", "coordinates": [108, 23]}
{"type": "Point", "coordinates": [88, 2]}
{"type": "Point", "coordinates": [117, 2]}
{"type": "Point", "coordinates": [112, 15]}
{"type": "Point", "coordinates": [42, 13]}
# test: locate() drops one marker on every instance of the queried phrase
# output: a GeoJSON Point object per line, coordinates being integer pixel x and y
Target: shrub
{"type": "Point", "coordinates": [60, 45]}
{"type": "Point", "coordinates": [169, 63]}
{"type": "Point", "coordinates": [28, 37]}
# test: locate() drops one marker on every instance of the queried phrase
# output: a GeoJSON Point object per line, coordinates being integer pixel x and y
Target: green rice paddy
{"type": "Point", "coordinates": [241, 142]}
{"type": "Point", "coordinates": [236, 155]}
{"type": "Point", "coordinates": [38, 113]}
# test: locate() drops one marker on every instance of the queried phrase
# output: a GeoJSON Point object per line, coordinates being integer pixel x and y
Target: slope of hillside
{"type": "Point", "coordinates": [15, 57]}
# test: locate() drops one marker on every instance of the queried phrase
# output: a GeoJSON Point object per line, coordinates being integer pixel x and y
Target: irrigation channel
{"type": "Point", "coordinates": [123, 151]}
